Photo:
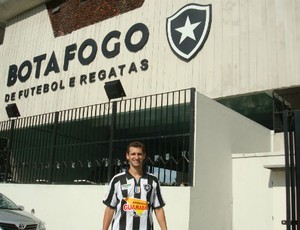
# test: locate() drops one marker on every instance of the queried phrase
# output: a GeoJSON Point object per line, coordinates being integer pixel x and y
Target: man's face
{"type": "Point", "coordinates": [135, 156]}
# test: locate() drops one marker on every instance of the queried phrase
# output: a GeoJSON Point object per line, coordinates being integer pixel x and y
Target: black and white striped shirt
{"type": "Point", "coordinates": [133, 201]}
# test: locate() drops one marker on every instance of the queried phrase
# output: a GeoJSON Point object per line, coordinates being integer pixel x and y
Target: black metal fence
{"type": "Point", "coordinates": [291, 128]}
{"type": "Point", "coordinates": [279, 106]}
{"type": "Point", "coordinates": [87, 145]}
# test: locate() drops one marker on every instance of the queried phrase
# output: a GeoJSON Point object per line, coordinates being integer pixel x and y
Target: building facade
{"type": "Point", "coordinates": [203, 84]}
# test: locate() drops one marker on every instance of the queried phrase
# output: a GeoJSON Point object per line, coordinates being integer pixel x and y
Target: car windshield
{"type": "Point", "coordinates": [6, 203]}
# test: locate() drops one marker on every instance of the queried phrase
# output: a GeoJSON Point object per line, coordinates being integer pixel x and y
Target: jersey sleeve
{"type": "Point", "coordinates": [110, 198]}
{"type": "Point", "coordinates": [158, 201]}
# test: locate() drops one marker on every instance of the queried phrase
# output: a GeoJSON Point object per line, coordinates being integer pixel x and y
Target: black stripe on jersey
{"type": "Point", "coordinates": [158, 192]}
{"type": "Point", "coordinates": [137, 184]}
{"type": "Point", "coordinates": [150, 182]}
{"type": "Point", "coordinates": [136, 223]}
{"type": "Point", "coordinates": [123, 181]}
{"type": "Point", "coordinates": [136, 219]}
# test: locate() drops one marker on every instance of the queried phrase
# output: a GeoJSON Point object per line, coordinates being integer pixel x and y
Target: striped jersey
{"type": "Point", "coordinates": [134, 201]}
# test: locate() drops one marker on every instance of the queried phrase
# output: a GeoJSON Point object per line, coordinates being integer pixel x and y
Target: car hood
{"type": "Point", "coordinates": [16, 216]}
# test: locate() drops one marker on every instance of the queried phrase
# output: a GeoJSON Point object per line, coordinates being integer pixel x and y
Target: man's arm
{"type": "Point", "coordinates": [161, 218]}
{"type": "Point", "coordinates": [108, 215]}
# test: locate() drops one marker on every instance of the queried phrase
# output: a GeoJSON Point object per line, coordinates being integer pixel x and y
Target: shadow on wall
{"type": "Point", "coordinates": [277, 178]}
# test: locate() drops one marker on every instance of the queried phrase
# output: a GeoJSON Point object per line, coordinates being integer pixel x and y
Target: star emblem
{"type": "Point", "coordinates": [187, 30]}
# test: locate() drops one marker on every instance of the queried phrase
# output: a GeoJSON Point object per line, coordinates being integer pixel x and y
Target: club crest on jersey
{"type": "Point", "coordinates": [147, 187]}
{"type": "Point", "coordinates": [188, 30]}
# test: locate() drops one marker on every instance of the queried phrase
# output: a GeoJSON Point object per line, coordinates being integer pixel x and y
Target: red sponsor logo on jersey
{"type": "Point", "coordinates": [138, 206]}
{"type": "Point", "coordinates": [129, 207]}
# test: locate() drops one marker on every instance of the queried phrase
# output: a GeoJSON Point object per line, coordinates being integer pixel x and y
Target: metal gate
{"type": "Point", "coordinates": [87, 145]}
{"type": "Point", "coordinates": [291, 128]}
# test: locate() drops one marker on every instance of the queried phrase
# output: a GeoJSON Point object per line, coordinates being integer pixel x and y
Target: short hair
{"type": "Point", "coordinates": [136, 144]}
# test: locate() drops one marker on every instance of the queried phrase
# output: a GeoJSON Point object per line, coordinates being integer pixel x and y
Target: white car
{"type": "Point", "coordinates": [13, 217]}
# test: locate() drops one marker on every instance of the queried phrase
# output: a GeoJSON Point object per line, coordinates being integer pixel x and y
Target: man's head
{"type": "Point", "coordinates": [136, 144]}
{"type": "Point", "coordinates": [136, 154]}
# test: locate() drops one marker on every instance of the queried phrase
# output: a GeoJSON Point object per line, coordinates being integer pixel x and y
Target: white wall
{"type": "Point", "coordinates": [259, 188]}
{"type": "Point", "coordinates": [77, 207]}
{"type": "Point", "coordinates": [219, 133]}
{"type": "Point", "coordinates": [258, 191]}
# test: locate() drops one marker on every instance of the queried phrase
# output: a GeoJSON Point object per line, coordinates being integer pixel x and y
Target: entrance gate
{"type": "Point", "coordinates": [291, 128]}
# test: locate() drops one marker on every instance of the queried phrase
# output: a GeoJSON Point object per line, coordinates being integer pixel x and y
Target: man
{"type": "Point", "coordinates": [133, 195]}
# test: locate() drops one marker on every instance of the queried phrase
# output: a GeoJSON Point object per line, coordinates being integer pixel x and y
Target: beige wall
{"type": "Point", "coordinates": [252, 46]}
{"type": "Point", "coordinates": [65, 207]}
